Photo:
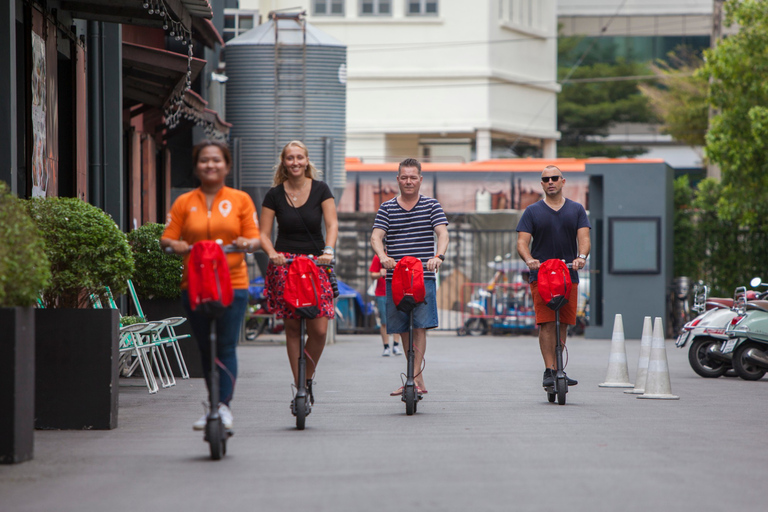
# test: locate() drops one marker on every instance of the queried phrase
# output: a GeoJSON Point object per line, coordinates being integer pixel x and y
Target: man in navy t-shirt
{"type": "Point", "coordinates": [559, 229]}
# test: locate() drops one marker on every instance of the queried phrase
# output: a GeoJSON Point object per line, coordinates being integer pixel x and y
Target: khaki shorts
{"type": "Point", "coordinates": [545, 315]}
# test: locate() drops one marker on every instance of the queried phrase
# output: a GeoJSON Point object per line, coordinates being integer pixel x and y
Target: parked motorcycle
{"type": "Point", "coordinates": [748, 337]}
{"type": "Point", "coordinates": [706, 332]}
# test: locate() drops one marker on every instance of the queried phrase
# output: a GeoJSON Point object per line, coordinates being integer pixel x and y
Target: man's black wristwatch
{"type": "Point", "coordinates": [441, 256]}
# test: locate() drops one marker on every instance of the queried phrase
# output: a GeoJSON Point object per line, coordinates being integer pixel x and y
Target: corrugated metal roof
{"type": "Point", "coordinates": [290, 35]}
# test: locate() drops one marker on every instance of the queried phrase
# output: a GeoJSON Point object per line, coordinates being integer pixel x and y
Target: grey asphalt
{"type": "Point", "coordinates": [484, 438]}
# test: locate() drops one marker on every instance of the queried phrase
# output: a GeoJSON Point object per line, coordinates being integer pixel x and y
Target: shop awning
{"type": "Point", "coordinates": [151, 76]}
{"type": "Point", "coordinates": [132, 12]}
{"type": "Point", "coordinates": [195, 110]}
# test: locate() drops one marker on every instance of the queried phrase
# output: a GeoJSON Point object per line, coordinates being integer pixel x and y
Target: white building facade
{"type": "Point", "coordinates": [443, 80]}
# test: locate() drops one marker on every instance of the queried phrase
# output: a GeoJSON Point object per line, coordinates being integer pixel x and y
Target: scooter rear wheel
{"type": "Point", "coordinates": [699, 359]}
{"type": "Point", "coordinates": [562, 389]}
{"type": "Point", "coordinates": [747, 370]}
{"type": "Point", "coordinates": [551, 397]}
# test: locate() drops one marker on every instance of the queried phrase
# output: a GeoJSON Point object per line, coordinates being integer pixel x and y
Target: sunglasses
{"type": "Point", "coordinates": [547, 179]}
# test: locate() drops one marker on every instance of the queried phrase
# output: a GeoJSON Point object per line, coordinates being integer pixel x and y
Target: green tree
{"type": "Point", "coordinates": [586, 109]}
{"type": "Point", "coordinates": [679, 97]}
{"type": "Point", "coordinates": [738, 136]}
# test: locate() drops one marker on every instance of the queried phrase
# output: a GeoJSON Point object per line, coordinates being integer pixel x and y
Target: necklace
{"type": "Point", "coordinates": [295, 195]}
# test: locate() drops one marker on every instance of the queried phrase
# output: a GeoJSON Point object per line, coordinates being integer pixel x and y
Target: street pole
{"type": "Point", "coordinates": [713, 170]}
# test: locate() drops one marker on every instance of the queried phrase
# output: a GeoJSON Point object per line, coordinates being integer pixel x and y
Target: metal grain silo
{"type": "Point", "coordinates": [287, 80]}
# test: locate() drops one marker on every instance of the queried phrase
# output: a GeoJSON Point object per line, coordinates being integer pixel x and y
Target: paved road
{"type": "Point", "coordinates": [484, 438]}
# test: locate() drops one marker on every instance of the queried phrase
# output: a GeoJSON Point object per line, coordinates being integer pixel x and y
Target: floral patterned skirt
{"type": "Point", "coordinates": [275, 284]}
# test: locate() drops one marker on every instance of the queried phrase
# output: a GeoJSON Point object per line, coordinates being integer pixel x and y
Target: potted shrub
{"type": "Point", "coordinates": [157, 279]}
{"type": "Point", "coordinates": [76, 346]}
{"type": "Point", "coordinates": [24, 271]}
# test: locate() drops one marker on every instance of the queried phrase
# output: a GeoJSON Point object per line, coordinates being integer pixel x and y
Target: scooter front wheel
{"type": "Point", "coordinates": [562, 389]}
{"type": "Point", "coordinates": [301, 412]}
{"type": "Point", "coordinates": [410, 400]}
{"type": "Point", "coordinates": [214, 434]}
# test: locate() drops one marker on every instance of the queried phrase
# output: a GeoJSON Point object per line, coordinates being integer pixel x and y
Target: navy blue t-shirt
{"type": "Point", "coordinates": [554, 232]}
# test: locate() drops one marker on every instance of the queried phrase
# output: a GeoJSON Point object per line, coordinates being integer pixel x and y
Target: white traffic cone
{"type": "Point", "coordinates": [618, 374]}
{"type": "Point", "coordinates": [645, 354]}
{"type": "Point", "coordinates": [657, 381]}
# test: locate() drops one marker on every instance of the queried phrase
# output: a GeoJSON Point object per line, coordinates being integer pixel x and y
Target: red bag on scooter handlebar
{"type": "Point", "coordinates": [554, 283]}
{"type": "Point", "coordinates": [302, 288]}
{"type": "Point", "coordinates": [408, 284]}
{"type": "Point", "coordinates": [208, 282]}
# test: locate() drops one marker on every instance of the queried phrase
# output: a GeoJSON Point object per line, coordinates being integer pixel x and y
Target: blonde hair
{"type": "Point", "coordinates": [281, 173]}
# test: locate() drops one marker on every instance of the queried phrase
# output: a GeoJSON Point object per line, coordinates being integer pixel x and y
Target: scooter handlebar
{"type": "Point", "coordinates": [229, 248]}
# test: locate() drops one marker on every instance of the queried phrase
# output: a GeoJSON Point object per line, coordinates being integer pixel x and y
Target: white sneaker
{"type": "Point", "coordinates": [200, 424]}
{"type": "Point", "coordinates": [397, 350]}
{"type": "Point", "coordinates": [226, 416]}
{"type": "Point", "coordinates": [387, 352]}
{"type": "Point", "coordinates": [226, 419]}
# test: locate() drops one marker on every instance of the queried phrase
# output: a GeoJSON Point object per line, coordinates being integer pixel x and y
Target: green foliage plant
{"type": "Point", "coordinates": [679, 98]}
{"type": "Point", "coordinates": [158, 275]}
{"type": "Point", "coordinates": [87, 251]}
{"type": "Point", "coordinates": [738, 136]}
{"type": "Point", "coordinates": [24, 267]}
{"type": "Point", "coordinates": [590, 103]}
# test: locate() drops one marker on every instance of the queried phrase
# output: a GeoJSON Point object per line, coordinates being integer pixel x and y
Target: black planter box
{"type": "Point", "coordinates": [17, 384]}
{"type": "Point", "coordinates": [76, 377]}
{"type": "Point", "coordinates": [158, 309]}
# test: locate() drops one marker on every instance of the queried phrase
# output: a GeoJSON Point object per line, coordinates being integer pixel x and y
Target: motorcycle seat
{"type": "Point", "coordinates": [758, 304]}
{"type": "Point", "coordinates": [718, 302]}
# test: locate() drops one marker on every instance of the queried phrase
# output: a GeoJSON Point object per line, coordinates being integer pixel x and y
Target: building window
{"type": "Point", "coordinates": [375, 7]}
{"type": "Point", "coordinates": [422, 7]}
{"type": "Point", "coordinates": [526, 13]}
{"type": "Point", "coordinates": [328, 7]}
{"type": "Point", "coordinates": [237, 21]}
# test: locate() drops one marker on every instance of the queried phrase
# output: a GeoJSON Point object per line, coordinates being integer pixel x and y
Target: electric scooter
{"type": "Point", "coordinates": [301, 405]}
{"type": "Point", "coordinates": [215, 434]}
{"type": "Point", "coordinates": [410, 394]}
{"type": "Point", "coordinates": [560, 388]}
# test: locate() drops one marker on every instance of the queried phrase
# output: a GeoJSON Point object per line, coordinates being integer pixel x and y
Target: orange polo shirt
{"type": "Point", "coordinates": [232, 214]}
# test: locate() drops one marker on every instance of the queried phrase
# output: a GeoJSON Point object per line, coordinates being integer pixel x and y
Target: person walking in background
{"type": "Point", "coordinates": [214, 211]}
{"type": "Point", "coordinates": [379, 274]}
{"type": "Point", "coordinates": [559, 229]}
{"type": "Point", "coordinates": [406, 226]}
{"type": "Point", "coordinates": [301, 204]}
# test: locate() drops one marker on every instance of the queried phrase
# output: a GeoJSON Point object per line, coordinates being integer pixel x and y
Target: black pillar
{"type": "Point", "coordinates": [113, 171]}
{"type": "Point", "coordinates": [8, 98]}
{"type": "Point", "coordinates": [95, 135]}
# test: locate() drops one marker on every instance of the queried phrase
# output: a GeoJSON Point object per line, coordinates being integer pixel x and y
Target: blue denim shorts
{"type": "Point", "coordinates": [424, 316]}
{"type": "Point", "coordinates": [381, 305]}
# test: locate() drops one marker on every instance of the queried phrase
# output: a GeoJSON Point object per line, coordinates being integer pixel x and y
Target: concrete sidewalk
{"type": "Point", "coordinates": [485, 438]}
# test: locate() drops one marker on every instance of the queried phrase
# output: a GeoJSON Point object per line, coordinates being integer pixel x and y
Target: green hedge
{"type": "Point", "coordinates": [721, 253]}
{"type": "Point", "coordinates": [158, 275]}
{"type": "Point", "coordinates": [24, 267]}
{"type": "Point", "coordinates": [87, 251]}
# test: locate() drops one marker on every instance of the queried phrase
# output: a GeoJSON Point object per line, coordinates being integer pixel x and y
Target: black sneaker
{"type": "Point", "coordinates": [571, 382]}
{"type": "Point", "coordinates": [549, 378]}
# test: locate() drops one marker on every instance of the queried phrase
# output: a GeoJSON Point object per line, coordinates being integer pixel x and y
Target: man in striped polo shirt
{"type": "Point", "coordinates": [406, 226]}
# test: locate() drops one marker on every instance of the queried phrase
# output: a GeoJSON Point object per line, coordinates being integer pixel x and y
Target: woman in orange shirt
{"type": "Point", "coordinates": [214, 211]}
